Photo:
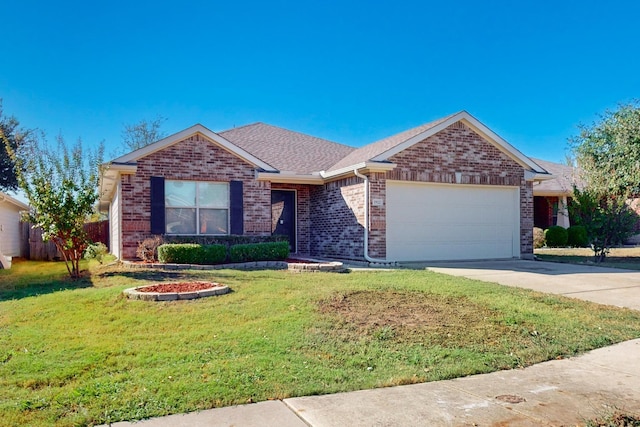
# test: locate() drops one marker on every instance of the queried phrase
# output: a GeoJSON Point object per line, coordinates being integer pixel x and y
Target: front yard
{"type": "Point", "coordinates": [627, 258]}
{"type": "Point", "coordinates": [80, 353]}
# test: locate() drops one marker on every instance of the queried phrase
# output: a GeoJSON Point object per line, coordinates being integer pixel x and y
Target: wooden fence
{"type": "Point", "coordinates": [34, 248]}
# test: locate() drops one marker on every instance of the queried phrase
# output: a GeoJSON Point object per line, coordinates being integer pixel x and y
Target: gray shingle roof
{"type": "Point", "coordinates": [370, 151]}
{"type": "Point", "coordinates": [287, 150]}
{"type": "Point", "coordinates": [565, 177]}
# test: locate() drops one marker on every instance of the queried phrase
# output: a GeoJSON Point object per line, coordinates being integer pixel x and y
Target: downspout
{"type": "Point", "coordinates": [366, 221]}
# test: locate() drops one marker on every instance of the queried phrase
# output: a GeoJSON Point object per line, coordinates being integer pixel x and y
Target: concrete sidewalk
{"type": "Point", "coordinates": [556, 393]}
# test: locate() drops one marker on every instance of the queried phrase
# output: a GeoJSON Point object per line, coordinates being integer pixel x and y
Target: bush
{"type": "Point", "coordinates": [556, 236]}
{"type": "Point", "coordinates": [259, 252]}
{"type": "Point", "coordinates": [96, 251]}
{"type": "Point", "coordinates": [148, 248]}
{"type": "Point", "coordinates": [578, 236]}
{"type": "Point", "coordinates": [538, 238]}
{"type": "Point", "coordinates": [191, 253]}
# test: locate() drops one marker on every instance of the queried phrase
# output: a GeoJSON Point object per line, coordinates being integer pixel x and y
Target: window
{"type": "Point", "coordinates": [193, 207]}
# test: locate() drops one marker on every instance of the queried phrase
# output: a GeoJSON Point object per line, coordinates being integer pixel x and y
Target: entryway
{"type": "Point", "coordinates": [283, 215]}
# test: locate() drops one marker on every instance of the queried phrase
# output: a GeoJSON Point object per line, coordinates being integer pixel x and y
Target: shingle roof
{"type": "Point", "coordinates": [565, 177]}
{"type": "Point", "coordinates": [287, 150]}
{"type": "Point", "coordinates": [370, 151]}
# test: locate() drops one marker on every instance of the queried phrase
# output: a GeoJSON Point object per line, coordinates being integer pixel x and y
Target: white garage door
{"type": "Point", "coordinates": [451, 221]}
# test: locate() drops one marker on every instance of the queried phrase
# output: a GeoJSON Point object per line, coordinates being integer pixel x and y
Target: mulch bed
{"type": "Point", "coordinates": [179, 287]}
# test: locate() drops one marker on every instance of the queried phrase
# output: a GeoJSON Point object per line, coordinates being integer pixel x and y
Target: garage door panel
{"type": "Point", "coordinates": [448, 222]}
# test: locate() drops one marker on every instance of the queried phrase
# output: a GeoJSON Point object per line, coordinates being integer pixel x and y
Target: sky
{"type": "Point", "coordinates": [348, 71]}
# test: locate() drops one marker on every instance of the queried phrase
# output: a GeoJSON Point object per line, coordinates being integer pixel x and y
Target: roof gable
{"type": "Point", "coordinates": [383, 150]}
{"type": "Point", "coordinates": [287, 150]}
{"type": "Point", "coordinates": [5, 198]}
{"type": "Point", "coordinates": [565, 177]}
{"type": "Point", "coordinates": [182, 135]}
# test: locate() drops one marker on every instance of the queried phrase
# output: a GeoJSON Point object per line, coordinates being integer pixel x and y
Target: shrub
{"type": "Point", "coordinates": [578, 236]}
{"type": "Point", "coordinates": [538, 238]}
{"type": "Point", "coordinates": [259, 252]}
{"type": "Point", "coordinates": [191, 253]}
{"type": "Point", "coordinates": [556, 236]}
{"type": "Point", "coordinates": [96, 251]}
{"type": "Point", "coordinates": [148, 248]}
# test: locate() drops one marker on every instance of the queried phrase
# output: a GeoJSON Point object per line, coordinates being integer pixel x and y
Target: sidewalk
{"type": "Point", "coordinates": [556, 393]}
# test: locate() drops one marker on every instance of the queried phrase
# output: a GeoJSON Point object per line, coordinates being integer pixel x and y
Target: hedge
{"type": "Point", "coordinates": [578, 236]}
{"type": "Point", "coordinates": [556, 236]}
{"type": "Point", "coordinates": [259, 252]}
{"type": "Point", "coordinates": [191, 253]}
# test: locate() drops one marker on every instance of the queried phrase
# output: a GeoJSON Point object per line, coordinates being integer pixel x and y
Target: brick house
{"type": "Point", "coordinates": [551, 198]}
{"type": "Point", "coordinates": [449, 189]}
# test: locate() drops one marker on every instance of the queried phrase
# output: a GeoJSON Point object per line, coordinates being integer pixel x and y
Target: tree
{"type": "Point", "coordinates": [608, 151]}
{"type": "Point", "coordinates": [10, 135]}
{"type": "Point", "coordinates": [142, 133]}
{"type": "Point", "coordinates": [62, 188]}
{"type": "Point", "coordinates": [607, 218]}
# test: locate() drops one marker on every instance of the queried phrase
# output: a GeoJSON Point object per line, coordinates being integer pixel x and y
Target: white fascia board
{"type": "Point", "coordinates": [477, 126]}
{"type": "Point", "coordinates": [184, 134]}
{"type": "Point", "coordinates": [280, 178]}
{"type": "Point", "coordinates": [533, 176]}
{"type": "Point", "coordinates": [369, 166]}
{"type": "Point", "coordinates": [5, 198]}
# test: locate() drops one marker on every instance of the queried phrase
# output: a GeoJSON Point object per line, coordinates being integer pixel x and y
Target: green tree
{"type": "Point", "coordinates": [62, 188]}
{"type": "Point", "coordinates": [143, 133]}
{"type": "Point", "coordinates": [10, 135]}
{"type": "Point", "coordinates": [608, 151]}
{"type": "Point", "coordinates": [607, 218]}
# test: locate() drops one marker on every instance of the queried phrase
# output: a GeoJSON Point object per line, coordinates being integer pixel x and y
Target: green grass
{"type": "Point", "coordinates": [627, 258]}
{"type": "Point", "coordinates": [80, 353]}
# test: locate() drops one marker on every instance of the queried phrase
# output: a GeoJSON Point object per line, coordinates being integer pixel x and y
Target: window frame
{"type": "Point", "coordinates": [197, 207]}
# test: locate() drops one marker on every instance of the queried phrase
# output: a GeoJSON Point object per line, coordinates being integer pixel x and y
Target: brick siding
{"type": "Point", "coordinates": [195, 159]}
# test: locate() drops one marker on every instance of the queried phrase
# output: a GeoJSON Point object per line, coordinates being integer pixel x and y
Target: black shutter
{"type": "Point", "coordinates": [157, 205]}
{"type": "Point", "coordinates": [236, 210]}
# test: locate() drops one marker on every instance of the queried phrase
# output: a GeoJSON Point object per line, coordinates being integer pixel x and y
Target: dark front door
{"type": "Point", "coordinates": [283, 215]}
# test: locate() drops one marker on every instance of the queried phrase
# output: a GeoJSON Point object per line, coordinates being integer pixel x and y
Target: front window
{"type": "Point", "coordinates": [196, 207]}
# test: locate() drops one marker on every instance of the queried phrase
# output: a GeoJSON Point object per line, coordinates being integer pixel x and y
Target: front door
{"type": "Point", "coordinates": [283, 215]}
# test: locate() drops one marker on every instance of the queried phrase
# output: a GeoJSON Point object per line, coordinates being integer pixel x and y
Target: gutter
{"type": "Point", "coordinates": [366, 221]}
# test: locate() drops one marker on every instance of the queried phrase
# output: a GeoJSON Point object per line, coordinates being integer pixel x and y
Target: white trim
{"type": "Point", "coordinates": [4, 197]}
{"type": "Point", "coordinates": [474, 124]}
{"type": "Point", "coordinates": [280, 178]}
{"type": "Point", "coordinates": [368, 166]}
{"type": "Point", "coordinates": [295, 212]}
{"type": "Point", "coordinates": [186, 133]}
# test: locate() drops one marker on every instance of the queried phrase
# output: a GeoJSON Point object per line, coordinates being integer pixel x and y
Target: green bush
{"type": "Point", "coordinates": [96, 251]}
{"type": "Point", "coordinates": [191, 253]}
{"type": "Point", "coordinates": [556, 236]}
{"type": "Point", "coordinates": [538, 238]}
{"type": "Point", "coordinates": [577, 236]}
{"type": "Point", "coordinates": [259, 252]}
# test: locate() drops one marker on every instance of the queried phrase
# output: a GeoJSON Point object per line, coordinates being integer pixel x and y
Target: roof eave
{"type": "Point", "coordinates": [365, 167]}
{"type": "Point", "coordinates": [289, 178]}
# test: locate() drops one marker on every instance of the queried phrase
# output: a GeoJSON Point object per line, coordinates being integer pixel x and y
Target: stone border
{"type": "Point", "coordinates": [135, 294]}
{"type": "Point", "coordinates": [299, 267]}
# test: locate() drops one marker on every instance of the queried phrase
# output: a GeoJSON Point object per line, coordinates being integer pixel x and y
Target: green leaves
{"type": "Point", "coordinates": [62, 188]}
{"type": "Point", "coordinates": [608, 151]}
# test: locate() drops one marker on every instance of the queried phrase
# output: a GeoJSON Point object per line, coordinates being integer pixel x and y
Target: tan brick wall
{"type": "Point", "coordinates": [197, 159]}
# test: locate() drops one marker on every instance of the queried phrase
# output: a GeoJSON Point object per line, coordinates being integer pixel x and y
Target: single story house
{"type": "Point", "coordinates": [551, 198]}
{"type": "Point", "coordinates": [11, 240]}
{"type": "Point", "coordinates": [450, 189]}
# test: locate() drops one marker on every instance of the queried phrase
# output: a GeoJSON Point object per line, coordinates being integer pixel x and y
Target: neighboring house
{"type": "Point", "coordinates": [449, 189]}
{"type": "Point", "coordinates": [551, 198]}
{"type": "Point", "coordinates": [10, 236]}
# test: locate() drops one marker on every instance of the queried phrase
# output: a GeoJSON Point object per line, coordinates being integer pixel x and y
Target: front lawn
{"type": "Point", "coordinates": [627, 258]}
{"type": "Point", "coordinates": [80, 353]}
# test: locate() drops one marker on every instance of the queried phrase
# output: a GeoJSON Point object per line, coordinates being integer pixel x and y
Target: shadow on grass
{"type": "Point", "coordinates": [45, 287]}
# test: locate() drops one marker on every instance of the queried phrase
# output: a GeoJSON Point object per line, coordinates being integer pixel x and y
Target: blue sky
{"type": "Point", "coordinates": [348, 71]}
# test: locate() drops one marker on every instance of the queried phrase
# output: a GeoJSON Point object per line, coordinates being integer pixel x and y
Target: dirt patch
{"type": "Point", "coordinates": [164, 288]}
{"type": "Point", "coordinates": [404, 315]}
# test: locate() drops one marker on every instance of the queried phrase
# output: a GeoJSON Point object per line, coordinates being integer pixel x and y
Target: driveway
{"type": "Point", "coordinates": [610, 286]}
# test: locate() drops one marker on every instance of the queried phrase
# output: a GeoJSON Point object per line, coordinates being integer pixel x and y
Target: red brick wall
{"type": "Point", "coordinates": [197, 159]}
{"type": "Point", "coordinates": [337, 215]}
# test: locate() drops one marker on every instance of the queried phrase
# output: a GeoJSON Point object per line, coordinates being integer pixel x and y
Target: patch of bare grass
{"type": "Point", "coordinates": [627, 258]}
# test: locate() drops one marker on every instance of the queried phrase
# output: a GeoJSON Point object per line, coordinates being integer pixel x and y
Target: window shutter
{"type": "Point", "coordinates": [157, 205]}
{"type": "Point", "coordinates": [236, 210]}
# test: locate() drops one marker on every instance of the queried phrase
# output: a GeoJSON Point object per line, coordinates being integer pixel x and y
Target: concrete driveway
{"type": "Point", "coordinates": [610, 286]}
